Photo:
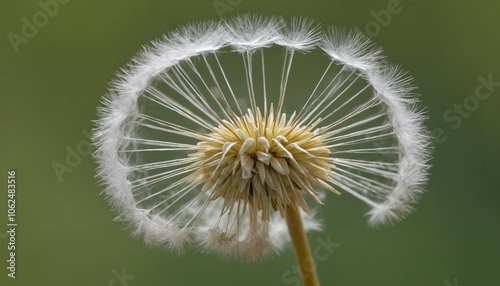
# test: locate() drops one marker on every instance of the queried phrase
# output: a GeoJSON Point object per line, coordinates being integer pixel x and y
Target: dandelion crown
{"type": "Point", "coordinates": [213, 132]}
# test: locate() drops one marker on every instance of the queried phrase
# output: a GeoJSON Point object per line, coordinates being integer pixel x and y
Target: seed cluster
{"type": "Point", "coordinates": [258, 163]}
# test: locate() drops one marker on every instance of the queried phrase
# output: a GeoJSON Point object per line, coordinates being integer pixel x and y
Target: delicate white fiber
{"type": "Point", "coordinates": [202, 139]}
{"type": "Point", "coordinates": [301, 34]}
{"type": "Point", "coordinates": [351, 48]}
{"type": "Point", "coordinates": [251, 31]}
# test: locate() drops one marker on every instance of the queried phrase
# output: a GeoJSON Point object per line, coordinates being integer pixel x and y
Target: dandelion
{"type": "Point", "coordinates": [224, 135]}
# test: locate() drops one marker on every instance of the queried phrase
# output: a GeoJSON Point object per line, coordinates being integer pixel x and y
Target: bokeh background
{"type": "Point", "coordinates": [50, 88]}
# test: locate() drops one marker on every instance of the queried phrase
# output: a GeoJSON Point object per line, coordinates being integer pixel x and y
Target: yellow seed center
{"type": "Point", "coordinates": [258, 163]}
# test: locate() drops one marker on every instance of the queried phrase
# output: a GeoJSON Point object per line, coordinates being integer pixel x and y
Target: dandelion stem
{"type": "Point", "coordinates": [301, 247]}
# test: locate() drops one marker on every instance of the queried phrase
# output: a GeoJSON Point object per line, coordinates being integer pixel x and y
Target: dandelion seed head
{"type": "Point", "coordinates": [210, 133]}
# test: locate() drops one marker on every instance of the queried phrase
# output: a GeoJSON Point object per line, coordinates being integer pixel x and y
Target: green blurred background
{"type": "Point", "coordinates": [50, 89]}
